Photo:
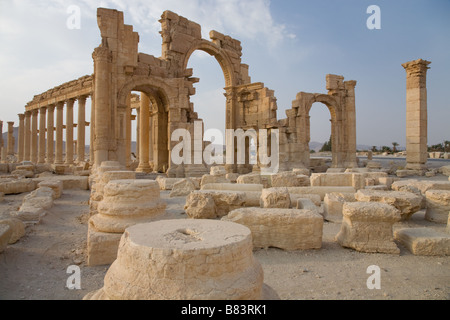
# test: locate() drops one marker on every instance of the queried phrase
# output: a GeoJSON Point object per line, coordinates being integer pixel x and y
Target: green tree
{"type": "Point", "coordinates": [395, 145]}
{"type": "Point", "coordinates": [327, 146]}
{"type": "Point", "coordinates": [446, 146]}
{"type": "Point", "coordinates": [374, 149]}
{"type": "Point", "coordinates": [386, 149]}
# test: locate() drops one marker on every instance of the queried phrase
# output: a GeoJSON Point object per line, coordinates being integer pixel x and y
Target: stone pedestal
{"type": "Point", "coordinates": [125, 203]}
{"type": "Point", "coordinates": [367, 227]}
{"type": "Point", "coordinates": [185, 260]}
{"type": "Point", "coordinates": [438, 205]}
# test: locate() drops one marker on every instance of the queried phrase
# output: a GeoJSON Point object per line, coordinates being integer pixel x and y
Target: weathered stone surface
{"type": "Point", "coordinates": [2, 196]}
{"type": "Point", "coordinates": [56, 185]}
{"type": "Point", "coordinates": [233, 187]}
{"type": "Point", "coordinates": [225, 201]}
{"type": "Point", "coordinates": [333, 204]}
{"type": "Point", "coordinates": [287, 229]}
{"type": "Point", "coordinates": [232, 177]}
{"type": "Point", "coordinates": [184, 259]}
{"type": "Point", "coordinates": [422, 185]}
{"type": "Point", "coordinates": [445, 170]}
{"type": "Point", "coordinates": [367, 227]}
{"type": "Point", "coordinates": [39, 198]}
{"type": "Point", "coordinates": [182, 188]}
{"type": "Point", "coordinates": [167, 183]}
{"type": "Point", "coordinates": [200, 206]}
{"type": "Point", "coordinates": [408, 203]}
{"type": "Point", "coordinates": [250, 178]}
{"type": "Point", "coordinates": [17, 227]}
{"type": "Point", "coordinates": [438, 205]}
{"type": "Point", "coordinates": [207, 179]}
{"type": "Point", "coordinates": [5, 235]}
{"type": "Point", "coordinates": [355, 180]}
{"type": "Point", "coordinates": [289, 179]}
{"type": "Point", "coordinates": [218, 171]}
{"type": "Point", "coordinates": [275, 198]}
{"type": "Point", "coordinates": [321, 191]}
{"type": "Point", "coordinates": [101, 247]}
{"type": "Point", "coordinates": [315, 198]}
{"type": "Point", "coordinates": [302, 171]}
{"type": "Point", "coordinates": [23, 173]}
{"type": "Point", "coordinates": [424, 241]}
{"type": "Point", "coordinates": [16, 186]}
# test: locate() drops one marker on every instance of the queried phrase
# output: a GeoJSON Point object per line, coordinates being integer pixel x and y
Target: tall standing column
{"type": "Point", "coordinates": [42, 114]}
{"type": "Point", "coordinates": [10, 149]}
{"type": "Point", "coordinates": [34, 136]}
{"type": "Point", "coordinates": [59, 133]}
{"type": "Point", "coordinates": [81, 128]}
{"type": "Point", "coordinates": [138, 121]}
{"type": "Point", "coordinates": [50, 133]}
{"type": "Point", "coordinates": [416, 114]}
{"type": "Point", "coordinates": [20, 147]}
{"type": "Point", "coordinates": [1, 134]}
{"type": "Point", "coordinates": [69, 131]}
{"type": "Point", "coordinates": [102, 103]}
{"type": "Point", "coordinates": [144, 140]}
{"type": "Point", "coordinates": [27, 142]}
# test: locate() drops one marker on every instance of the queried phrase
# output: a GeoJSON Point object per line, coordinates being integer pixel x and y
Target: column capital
{"type": "Point", "coordinates": [43, 109]}
{"type": "Point", "coordinates": [416, 67]}
{"type": "Point", "coordinates": [82, 98]}
{"type": "Point", "coordinates": [34, 112]}
{"type": "Point", "coordinates": [21, 116]}
{"type": "Point", "coordinates": [51, 107]}
{"type": "Point", "coordinates": [70, 102]}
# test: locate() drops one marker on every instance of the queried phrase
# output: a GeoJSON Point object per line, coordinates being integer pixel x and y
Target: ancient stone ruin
{"type": "Point", "coordinates": [229, 211]}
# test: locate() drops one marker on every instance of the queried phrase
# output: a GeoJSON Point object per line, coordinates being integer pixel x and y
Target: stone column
{"type": "Point", "coordinates": [138, 121]}
{"type": "Point", "coordinates": [20, 151]}
{"type": "Point", "coordinates": [10, 148]}
{"type": "Point", "coordinates": [144, 141]}
{"type": "Point", "coordinates": [350, 124]}
{"type": "Point", "coordinates": [34, 136]}
{"type": "Point", "coordinates": [69, 131]}
{"type": "Point", "coordinates": [128, 132]}
{"type": "Point", "coordinates": [59, 133]}
{"type": "Point", "coordinates": [50, 133]}
{"type": "Point", "coordinates": [102, 102]}
{"type": "Point", "coordinates": [416, 114]}
{"type": "Point", "coordinates": [81, 131]}
{"type": "Point", "coordinates": [27, 142]}
{"type": "Point", "coordinates": [1, 134]}
{"type": "Point", "coordinates": [42, 113]}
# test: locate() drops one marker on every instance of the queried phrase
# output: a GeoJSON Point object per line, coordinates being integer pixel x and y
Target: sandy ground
{"type": "Point", "coordinates": [35, 268]}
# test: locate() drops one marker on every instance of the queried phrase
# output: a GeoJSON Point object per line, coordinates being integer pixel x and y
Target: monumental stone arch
{"type": "Point", "coordinates": [165, 85]}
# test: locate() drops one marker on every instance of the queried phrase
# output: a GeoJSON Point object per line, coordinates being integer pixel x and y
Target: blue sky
{"type": "Point", "coordinates": [290, 46]}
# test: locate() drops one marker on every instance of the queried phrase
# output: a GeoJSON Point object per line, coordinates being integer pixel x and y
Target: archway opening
{"type": "Point", "coordinates": [320, 137]}
{"type": "Point", "coordinates": [209, 101]}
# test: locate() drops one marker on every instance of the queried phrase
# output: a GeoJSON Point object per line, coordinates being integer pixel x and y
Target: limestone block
{"type": "Point", "coordinates": [5, 235]}
{"type": "Point", "coordinates": [218, 171]}
{"type": "Point", "coordinates": [200, 206]}
{"type": "Point", "coordinates": [356, 180]}
{"type": "Point", "coordinates": [335, 170]}
{"type": "Point", "coordinates": [289, 179]}
{"type": "Point", "coordinates": [23, 173]}
{"type": "Point", "coordinates": [334, 203]}
{"type": "Point", "coordinates": [2, 196]}
{"type": "Point", "coordinates": [287, 229]}
{"type": "Point", "coordinates": [207, 179]}
{"type": "Point", "coordinates": [184, 260]}
{"type": "Point", "coordinates": [407, 202]}
{"type": "Point", "coordinates": [39, 198]}
{"type": "Point", "coordinates": [233, 187]}
{"type": "Point", "coordinates": [422, 185]}
{"type": "Point", "coordinates": [250, 178]}
{"type": "Point", "coordinates": [275, 198]}
{"type": "Point", "coordinates": [16, 186]}
{"type": "Point", "coordinates": [315, 198]}
{"type": "Point", "coordinates": [101, 247]}
{"type": "Point", "coordinates": [367, 227]}
{"type": "Point", "coordinates": [182, 188]}
{"type": "Point", "coordinates": [445, 170]}
{"type": "Point", "coordinates": [438, 205]}
{"type": "Point", "coordinates": [167, 183]}
{"type": "Point", "coordinates": [225, 201]}
{"type": "Point", "coordinates": [26, 167]}
{"type": "Point", "coordinates": [55, 185]}
{"type": "Point", "coordinates": [302, 171]}
{"type": "Point", "coordinates": [232, 177]}
{"type": "Point", "coordinates": [304, 203]}
{"type": "Point", "coordinates": [322, 191]}
{"type": "Point", "coordinates": [424, 241]}
{"type": "Point", "coordinates": [29, 215]}
{"type": "Point", "coordinates": [17, 227]}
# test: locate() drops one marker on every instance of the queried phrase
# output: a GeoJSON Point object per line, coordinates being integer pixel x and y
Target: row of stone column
{"type": "Point", "coordinates": [35, 146]}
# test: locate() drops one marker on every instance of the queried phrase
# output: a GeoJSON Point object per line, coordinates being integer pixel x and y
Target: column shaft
{"type": "Point", "coordinates": [81, 128]}
{"type": "Point", "coordinates": [10, 149]}
{"type": "Point", "coordinates": [50, 134]}
{"type": "Point", "coordinates": [59, 133]}
{"type": "Point", "coordinates": [69, 131]}
{"type": "Point", "coordinates": [27, 142]}
{"type": "Point", "coordinates": [21, 143]}
{"type": "Point", "coordinates": [42, 113]}
{"type": "Point", "coordinates": [144, 140]}
{"type": "Point", "coordinates": [34, 136]}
